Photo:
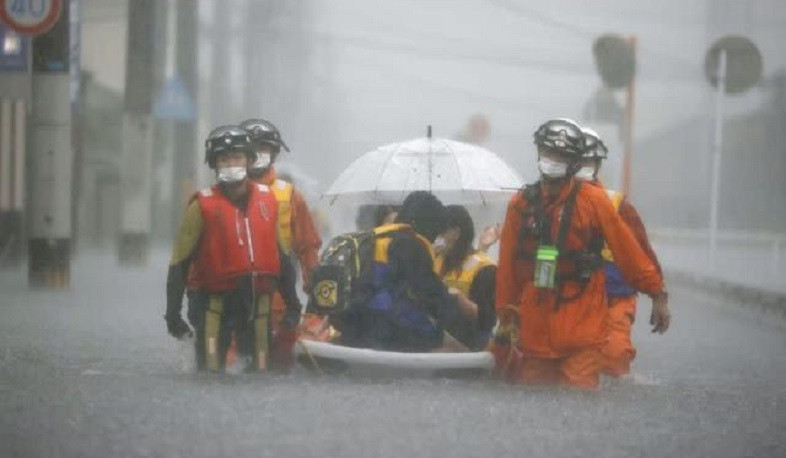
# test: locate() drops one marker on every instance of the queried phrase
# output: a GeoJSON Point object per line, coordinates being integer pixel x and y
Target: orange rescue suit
{"type": "Point", "coordinates": [579, 324]}
{"type": "Point", "coordinates": [618, 351]}
{"type": "Point", "coordinates": [296, 232]}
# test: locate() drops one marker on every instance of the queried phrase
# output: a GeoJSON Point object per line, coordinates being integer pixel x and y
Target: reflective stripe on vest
{"type": "Point", "coordinates": [616, 199]}
{"type": "Point", "coordinates": [462, 280]}
{"type": "Point", "coordinates": [283, 192]}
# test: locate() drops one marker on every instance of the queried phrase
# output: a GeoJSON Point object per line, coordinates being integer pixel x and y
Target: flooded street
{"type": "Point", "coordinates": [494, 147]}
{"type": "Point", "coordinates": [92, 372]}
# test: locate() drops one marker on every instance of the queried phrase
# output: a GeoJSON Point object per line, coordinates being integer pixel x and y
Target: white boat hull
{"type": "Point", "coordinates": [361, 359]}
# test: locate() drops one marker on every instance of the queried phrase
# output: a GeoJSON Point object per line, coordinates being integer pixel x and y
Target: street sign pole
{"type": "Point", "coordinates": [717, 148]}
{"type": "Point", "coordinates": [615, 59]}
{"type": "Point", "coordinates": [630, 109]}
{"type": "Point", "coordinates": [732, 65]}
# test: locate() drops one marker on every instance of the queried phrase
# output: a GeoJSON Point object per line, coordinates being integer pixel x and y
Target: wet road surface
{"type": "Point", "coordinates": [91, 372]}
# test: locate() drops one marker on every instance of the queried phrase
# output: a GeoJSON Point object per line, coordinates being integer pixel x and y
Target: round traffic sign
{"type": "Point", "coordinates": [30, 17]}
{"type": "Point", "coordinates": [743, 63]}
{"type": "Point", "coordinates": [615, 59]}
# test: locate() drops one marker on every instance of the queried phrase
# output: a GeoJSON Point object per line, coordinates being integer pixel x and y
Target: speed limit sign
{"type": "Point", "coordinates": [30, 17]}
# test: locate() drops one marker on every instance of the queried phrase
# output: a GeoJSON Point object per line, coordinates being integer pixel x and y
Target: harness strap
{"type": "Point", "coordinates": [567, 216]}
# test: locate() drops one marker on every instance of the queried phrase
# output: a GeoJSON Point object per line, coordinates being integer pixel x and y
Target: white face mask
{"type": "Point", "coordinates": [262, 162]}
{"type": "Point", "coordinates": [440, 245]}
{"type": "Point", "coordinates": [551, 168]}
{"type": "Point", "coordinates": [231, 174]}
{"type": "Point", "coordinates": [586, 173]}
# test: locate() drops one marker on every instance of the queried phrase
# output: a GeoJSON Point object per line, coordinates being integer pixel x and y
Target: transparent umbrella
{"type": "Point", "coordinates": [454, 171]}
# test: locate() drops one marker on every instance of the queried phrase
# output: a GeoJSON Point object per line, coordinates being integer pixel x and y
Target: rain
{"type": "Point", "coordinates": [105, 108]}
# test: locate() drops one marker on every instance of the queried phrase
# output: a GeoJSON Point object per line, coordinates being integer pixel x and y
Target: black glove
{"type": "Point", "coordinates": [176, 327]}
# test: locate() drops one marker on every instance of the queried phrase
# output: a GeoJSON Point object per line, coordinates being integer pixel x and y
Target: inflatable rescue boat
{"type": "Point", "coordinates": [331, 357]}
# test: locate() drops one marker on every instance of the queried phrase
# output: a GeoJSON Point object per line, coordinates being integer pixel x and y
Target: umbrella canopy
{"type": "Point", "coordinates": [454, 171]}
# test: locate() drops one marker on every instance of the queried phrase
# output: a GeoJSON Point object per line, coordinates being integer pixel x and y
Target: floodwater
{"type": "Point", "coordinates": [92, 372]}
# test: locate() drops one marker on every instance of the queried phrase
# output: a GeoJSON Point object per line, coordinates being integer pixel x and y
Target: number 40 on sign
{"type": "Point", "coordinates": [30, 17]}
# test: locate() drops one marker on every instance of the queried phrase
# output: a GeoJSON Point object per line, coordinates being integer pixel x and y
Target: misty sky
{"type": "Point", "coordinates": [395, 66]}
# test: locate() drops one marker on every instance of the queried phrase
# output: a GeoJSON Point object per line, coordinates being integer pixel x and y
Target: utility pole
{"type": "Point", "coordinates": [14, 104]}
{"type": "Point", "coordinates": [136, 170]}
{"type": "Point", "coordinates": [184, 172]}
{"type": "Point", "coordinates": [220, 106]}
{"type": "Point", "coordinates": [51, 158]}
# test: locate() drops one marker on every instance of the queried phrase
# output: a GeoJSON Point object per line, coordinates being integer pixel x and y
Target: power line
{"type": "Point", "coordinates": [538, 17]}
{"type": "Point", "coordinates": [377, 44]}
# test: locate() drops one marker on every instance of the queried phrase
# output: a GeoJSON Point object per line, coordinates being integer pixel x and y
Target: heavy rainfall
{"type": "Point", "coordinates": [392, 228]}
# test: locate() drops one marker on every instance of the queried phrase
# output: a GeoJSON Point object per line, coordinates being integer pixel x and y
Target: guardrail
{"type": "Point", "coordinates": [773, 242]}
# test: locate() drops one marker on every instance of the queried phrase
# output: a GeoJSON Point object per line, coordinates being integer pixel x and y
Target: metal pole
{"type": "Point", "coordinates": [430, 163]}
{"type": "Point", "coordinates": [717, 147]}
{"type": "Point", "coordinates": [630, 105]}
{"type": "Point", "coordinates": [51, 159]}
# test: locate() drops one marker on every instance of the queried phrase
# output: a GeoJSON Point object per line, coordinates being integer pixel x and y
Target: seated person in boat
{"type": "Point", "coordinates": [406, 306]}
{"type": "Point", "coordinates": [469, 274]}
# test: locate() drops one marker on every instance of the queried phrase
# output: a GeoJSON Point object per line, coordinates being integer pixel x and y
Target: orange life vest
{"type": "Point", "coordinates": [235, 244]}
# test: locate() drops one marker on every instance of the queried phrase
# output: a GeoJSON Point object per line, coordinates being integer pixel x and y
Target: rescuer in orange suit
{"type": "Point", "coordinates": [297, 232]}
{"type": "Point", "coordinates": [618, 352]}
{"type": "Point", "coordinates": [550, 293]}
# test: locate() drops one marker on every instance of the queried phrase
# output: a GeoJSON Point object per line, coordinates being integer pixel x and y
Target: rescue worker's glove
{"type": "Point", "coordinates": [508, 358]}
{"type": "Point", "coordinates": [177, 327]}
{"type": "Point", "coordinates": [498, 350]}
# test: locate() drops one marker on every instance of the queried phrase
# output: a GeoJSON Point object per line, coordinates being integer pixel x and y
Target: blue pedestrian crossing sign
{"type": "Point", "coordinates": [174, 102]}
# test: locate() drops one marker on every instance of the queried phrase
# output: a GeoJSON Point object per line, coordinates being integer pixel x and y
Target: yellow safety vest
{"type": "Point", "coordinates": [283, 192]}
{"type": "Point", "coordinates": [382, 235]}
{"type": "Point", "coordinates": [616, 199]}
{"type": "Point", "coordinates": [462, 280]}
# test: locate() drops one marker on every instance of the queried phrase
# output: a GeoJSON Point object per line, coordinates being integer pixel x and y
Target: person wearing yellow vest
{"type": "Point", "coordinates": [405, 306]}
{"type": "Point", "coordinates": [297, 232]}
{"type": "Point", "coordinates": [469, 273]}
{"type": "Point", "coordinates": [618, 352]}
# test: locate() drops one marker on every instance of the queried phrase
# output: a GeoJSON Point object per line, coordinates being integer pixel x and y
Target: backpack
{"type": "Point", "coordinates": [343, 273]}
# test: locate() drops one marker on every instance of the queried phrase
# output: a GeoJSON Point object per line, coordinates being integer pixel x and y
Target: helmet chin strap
{"type": "Point", "coordinates": [573, 167]}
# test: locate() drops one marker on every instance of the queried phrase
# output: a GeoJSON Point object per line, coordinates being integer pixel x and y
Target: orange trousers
{"type": "Point", "coordinates": [618, 352]}
{"type": "Point", "coordinates": [580, 369]}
